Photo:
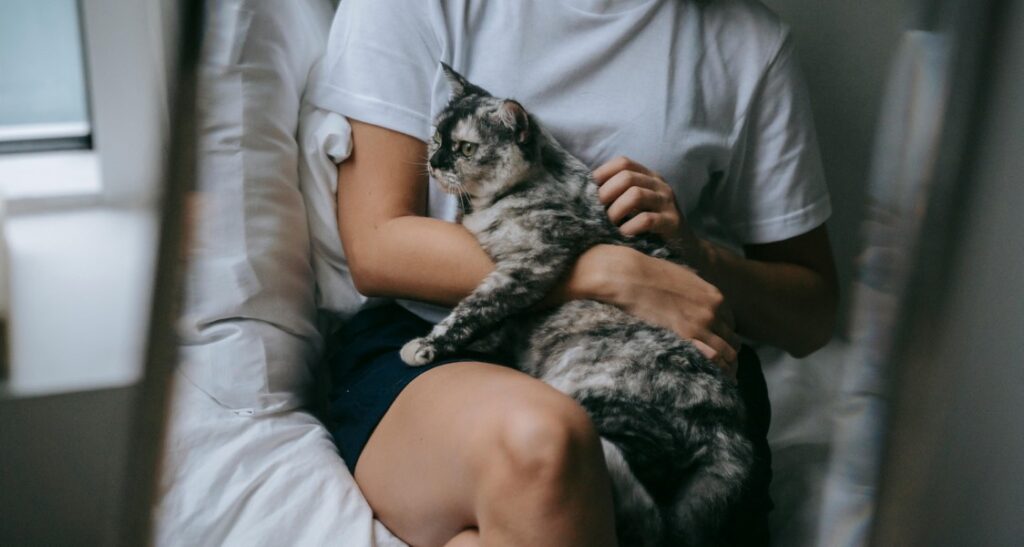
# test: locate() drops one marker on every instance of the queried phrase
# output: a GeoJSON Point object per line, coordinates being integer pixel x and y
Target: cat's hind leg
{"type": "Point", "coordinates": [712, 489]}
{"type": "Point", "coordinates": [637, 518]}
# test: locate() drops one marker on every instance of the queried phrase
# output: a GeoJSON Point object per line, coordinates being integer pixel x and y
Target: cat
{"type": "Point", "coordinates": [671, 423]}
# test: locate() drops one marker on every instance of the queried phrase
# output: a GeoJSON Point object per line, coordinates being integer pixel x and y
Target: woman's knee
{"type": "Point", "coordinates": [544, 441]}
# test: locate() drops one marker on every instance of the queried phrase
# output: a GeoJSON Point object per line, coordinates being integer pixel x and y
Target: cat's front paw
{"type": "Point", "coordinates": [418, 352]}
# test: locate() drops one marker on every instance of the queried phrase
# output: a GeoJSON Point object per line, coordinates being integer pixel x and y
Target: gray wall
{"type": "Point", "coordinates": [62, 461]}
{"type": "Point", "coordinates": [845, 48]}
{"type": "Point", "coordinates": [957, 432]}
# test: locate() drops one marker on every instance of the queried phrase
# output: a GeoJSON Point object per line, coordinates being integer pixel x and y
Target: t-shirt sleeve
{"type": "Point", "coordinates": [380, 65]}
{"type": "Point", "coordinates": [775, 187]}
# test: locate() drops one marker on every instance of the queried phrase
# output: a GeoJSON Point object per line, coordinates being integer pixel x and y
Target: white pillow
{"type": "Point", "coordinates": [249, 337]}
{"type": "Point", "coordinates": [325, 140]}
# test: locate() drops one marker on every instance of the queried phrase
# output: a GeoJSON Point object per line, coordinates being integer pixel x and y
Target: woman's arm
{"type": "Point", "coordinates": [394, 251]}
{"type": "Point", "coordinates": [782, 293]}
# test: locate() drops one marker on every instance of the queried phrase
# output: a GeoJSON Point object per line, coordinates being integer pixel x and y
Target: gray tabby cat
{"type": "Point", "coordinates": [671, 424]}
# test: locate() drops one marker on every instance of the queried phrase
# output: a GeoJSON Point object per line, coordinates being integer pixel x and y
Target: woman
{"type": "Point", "coordinates": [694, 118]}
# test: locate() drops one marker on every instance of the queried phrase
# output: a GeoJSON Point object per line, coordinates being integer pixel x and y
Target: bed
{"type": "Point", "coordinates": [247, 462]}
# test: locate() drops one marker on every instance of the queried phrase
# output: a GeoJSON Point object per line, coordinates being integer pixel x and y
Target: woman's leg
{"type": "Point", "coordinates": [472, 445]}
{"type": "Point", "coordinates": [468, 538]}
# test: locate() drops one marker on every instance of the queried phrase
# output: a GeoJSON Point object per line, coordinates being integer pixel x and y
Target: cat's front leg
{"type": "Point", "coordinates": [423, 350]}
{"type": "Point", "coordinates": [486, 305]}
{"type": "Point", "coordinates": [418, 352]}
{"type": "Point", "coordinates": [505, 292]}
{"type": "Point", "coordinates": [496, 340]}
{"type": "Point", "coordinates": [654, 246]}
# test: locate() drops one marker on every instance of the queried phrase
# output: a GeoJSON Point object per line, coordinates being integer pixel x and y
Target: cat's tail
{"type": "Point", "coordinates": [711, 489]}
{"type": "Point", "coordinates": [637, 518]}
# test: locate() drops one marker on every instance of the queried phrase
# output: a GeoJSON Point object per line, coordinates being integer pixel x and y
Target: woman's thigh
{"type": "Point", "coordinates": [419, 468]}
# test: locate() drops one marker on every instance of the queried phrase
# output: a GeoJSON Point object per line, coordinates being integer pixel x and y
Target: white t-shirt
{"type": "Point", "coordinates": [709, 96]}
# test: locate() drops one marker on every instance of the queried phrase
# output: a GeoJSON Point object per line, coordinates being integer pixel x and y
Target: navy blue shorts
{"type": "Point", "coordinates": [367, 375]}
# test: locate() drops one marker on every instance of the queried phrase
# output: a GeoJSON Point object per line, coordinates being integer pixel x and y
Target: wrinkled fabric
{"type": "Point", "coordinates": [248, 325]}
{"type": "Point", "coordinates": [261, 481]}
{"type": "Point", "coordinates": [242, 465]}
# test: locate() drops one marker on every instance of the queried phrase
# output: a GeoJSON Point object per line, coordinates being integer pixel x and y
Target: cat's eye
{"type": "Point", "coordinates": [437, 138]}
{"type": "Point", "coordinates": [467, 148]}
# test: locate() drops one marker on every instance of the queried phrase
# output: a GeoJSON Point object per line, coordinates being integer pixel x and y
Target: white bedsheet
{"type": "Point", "coordinates": [803, 393]}
{"type": "Point", "coordinates": [273, 480]}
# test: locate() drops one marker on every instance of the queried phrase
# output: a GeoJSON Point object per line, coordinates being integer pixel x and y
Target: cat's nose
{"type": "Point", "coordinates": [435, 161]}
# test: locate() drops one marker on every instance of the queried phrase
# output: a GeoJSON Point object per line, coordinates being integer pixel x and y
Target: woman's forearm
{"type": "Point", "coordinates": [435, 261]}
{"type": "Point", "coordinates": [392, 249]}
{"type": "Point", "coordinates": [781, 293]}
{"type": "Point", "coordinates": [419, 258]}
{"type": "Point", "coordinates": [784, 304]}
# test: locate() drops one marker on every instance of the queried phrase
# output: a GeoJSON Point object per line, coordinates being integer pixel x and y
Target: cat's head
{"type": "Point", "coordinates": [482, 145]}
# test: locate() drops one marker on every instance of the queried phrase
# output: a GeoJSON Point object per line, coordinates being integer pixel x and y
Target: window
{"type": "Point", "coordinates": [82, 102]}
{"type": "Point", "coordinates": [43, 100]}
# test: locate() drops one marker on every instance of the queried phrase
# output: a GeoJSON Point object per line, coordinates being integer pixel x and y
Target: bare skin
{"type": "Point", "coordinates": [523, 467]}
{"type": "Point", "coordinates": [468, 538]}
{"type": "Point", "coordinates": [783, 293]}
{"type": "Point", "coordinates": [429, 469]}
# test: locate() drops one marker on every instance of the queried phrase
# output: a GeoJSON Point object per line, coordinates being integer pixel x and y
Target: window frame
{"type": "Point", "coordinates": [125, 55]}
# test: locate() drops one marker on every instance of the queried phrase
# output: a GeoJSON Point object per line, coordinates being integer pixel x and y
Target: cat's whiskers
{"type": "Point", "coordinates": [424, 166]}
{"type": "Point", "coordinates": [459, 192]}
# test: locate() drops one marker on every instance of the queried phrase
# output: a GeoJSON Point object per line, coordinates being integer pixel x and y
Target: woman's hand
{"type": "Point", "coordinates": [784, 293]}
{"type": "Point", "coordinates": [661, 293]}
{"type": "Point", "coordinates": [640, 201]}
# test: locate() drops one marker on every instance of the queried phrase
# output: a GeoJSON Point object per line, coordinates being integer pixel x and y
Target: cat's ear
{"type": "Point", "coordinates": [512, 115]}
{"type": "Point", "coordinates": [459, 84]}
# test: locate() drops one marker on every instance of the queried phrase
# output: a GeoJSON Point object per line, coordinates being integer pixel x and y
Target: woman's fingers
{"type": "Point", "coordinates": [723, 350]}
{"type": "Point", "coordinates": [638, 200]}
{"type": "Point", "coordinates": [635, 200]}
{"type": "Point", "coordinates": [725, 332]}
{"type": "Point", "coordinates": [676, 298]}
{"type": "Point", "coordinates": [623, 181]}
{"type": "Point", "coordinates": [723, 328]}
{"type": "Point", "coordinates": [612, 167]}
{"type": "Point", "coordinates": [644, 223]}
{"type": "Point", "coordinates": [717, 356]}
{"type": "Point", "coordinates": [705, 349]}
{"type": "Point", "coordinates": [639, 204]}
